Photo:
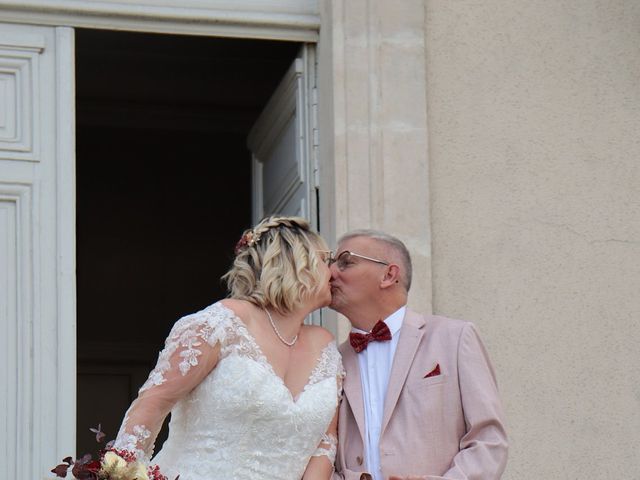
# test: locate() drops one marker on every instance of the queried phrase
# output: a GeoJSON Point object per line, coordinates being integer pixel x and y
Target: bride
{"type": "Point", "coordinates": [252, 391]}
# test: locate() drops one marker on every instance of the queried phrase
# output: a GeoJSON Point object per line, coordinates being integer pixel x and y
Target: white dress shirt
{"type": "Point", "coordinates": [375, 365]}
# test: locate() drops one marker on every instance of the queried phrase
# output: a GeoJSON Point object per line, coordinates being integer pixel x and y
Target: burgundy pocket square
{"type": "Point", "coordinates": [433, 373]}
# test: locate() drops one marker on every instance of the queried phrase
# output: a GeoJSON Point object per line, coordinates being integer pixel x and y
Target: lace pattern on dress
{"type": "Point", "coordinates": [330, 451]}
{"type": "Point", "coordinates": [329, 365]}
{"type": "Point", "coordinates": [188, 334]}
{"type": "Point", "coordinates": [132, 441]}
{"type": "Point", "coordinates": [238, 340]}
{"type": "Point", "coordinates": [218, 325]}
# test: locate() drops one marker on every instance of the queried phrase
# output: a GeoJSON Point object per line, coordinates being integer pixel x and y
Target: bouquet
{"type": "Point", "coordinates": [112, 464]}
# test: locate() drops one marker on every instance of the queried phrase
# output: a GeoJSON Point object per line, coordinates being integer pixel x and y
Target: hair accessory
{"type": "Point", "coordinates": [275, 329]}
{"type": "Point", "coordinates": [248, 239]}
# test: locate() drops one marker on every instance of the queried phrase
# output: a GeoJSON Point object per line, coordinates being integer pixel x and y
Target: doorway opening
{"type": "Point", "coordinates": [163, 192]}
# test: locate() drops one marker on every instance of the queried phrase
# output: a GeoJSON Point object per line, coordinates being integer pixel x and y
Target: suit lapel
{"type": "Point", "coordinates": [352, 386]}
{"type": "Point", "coordinates": [410, 335]}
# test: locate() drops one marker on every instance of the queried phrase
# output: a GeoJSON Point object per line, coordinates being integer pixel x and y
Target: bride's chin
{"type": "Point", "coordinates": [328, 299]}
{"type": "Point", "coordinates": [324, 301]}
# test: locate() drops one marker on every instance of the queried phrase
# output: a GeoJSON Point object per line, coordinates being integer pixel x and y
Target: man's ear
{"type": "Point", "coordinates": [391, 276]}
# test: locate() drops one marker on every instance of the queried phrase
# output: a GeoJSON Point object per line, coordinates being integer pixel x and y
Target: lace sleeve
{"type": "Point", "coordinates": [331, 364]}
{"type": "Point", "coordinates": [328, 447]}
{"type": "Point", "coordinates": [190, 353]}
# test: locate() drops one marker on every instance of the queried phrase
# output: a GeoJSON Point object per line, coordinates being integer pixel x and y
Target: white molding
{"type": "Point", "coordinates": [279, 20]}
{"type": "Point", "coordinates": [66, 238]}
{"type": "Point", "coordinates": [17, 322]}
{"type": "Point", "coordinates": [23, 41]}
{"type": "Point", "coordinates": [19, 106]}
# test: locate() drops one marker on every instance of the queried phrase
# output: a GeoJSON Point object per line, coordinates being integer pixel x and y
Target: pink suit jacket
{"type": "Point", "coordinates": [446, 426]}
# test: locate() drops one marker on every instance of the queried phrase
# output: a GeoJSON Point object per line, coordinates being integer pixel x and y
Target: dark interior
{"type": "Point", "coordinates": [163, 193]}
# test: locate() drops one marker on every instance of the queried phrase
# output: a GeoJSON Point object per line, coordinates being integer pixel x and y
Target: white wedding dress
{"type": "Point", "coordinates": [237, 420]}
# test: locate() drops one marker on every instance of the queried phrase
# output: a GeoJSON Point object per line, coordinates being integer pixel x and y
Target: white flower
{"type": "Point", "coordinates": [113, 462]}
{"type": "Point", "coordinates": [138, 471]}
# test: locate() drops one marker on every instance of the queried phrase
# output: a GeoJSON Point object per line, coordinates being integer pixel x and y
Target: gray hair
{"type": "Point", "coordinates": [393, 243]}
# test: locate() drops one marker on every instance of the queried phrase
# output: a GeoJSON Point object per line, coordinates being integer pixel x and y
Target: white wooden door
{"type": "Point", "coordinates": [37, 255]}
{"type": "Point", "coordinates": [283, 143]}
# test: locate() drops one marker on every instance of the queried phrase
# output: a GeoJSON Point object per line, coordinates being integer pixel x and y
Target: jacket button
{"type": "Point", "coordinates": [359, 460]}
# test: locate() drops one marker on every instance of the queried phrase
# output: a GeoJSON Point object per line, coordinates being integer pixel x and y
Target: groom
{"type": "Point", "coordinates": [420, 396]}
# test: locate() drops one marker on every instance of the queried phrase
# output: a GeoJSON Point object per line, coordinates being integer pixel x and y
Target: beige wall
{"type": "Point", "coordinates": [534, 158]}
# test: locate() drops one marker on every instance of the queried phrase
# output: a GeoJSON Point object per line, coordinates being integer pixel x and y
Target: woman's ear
{"type": "Point", "coordinates": [391, 276]}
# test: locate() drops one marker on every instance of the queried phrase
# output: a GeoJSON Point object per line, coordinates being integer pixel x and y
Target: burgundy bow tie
{"type": "Point", "coordinates": [379, 333]}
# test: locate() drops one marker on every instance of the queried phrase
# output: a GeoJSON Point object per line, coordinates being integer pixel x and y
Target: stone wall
{"type": "Point", "coordinates": [375, 162]}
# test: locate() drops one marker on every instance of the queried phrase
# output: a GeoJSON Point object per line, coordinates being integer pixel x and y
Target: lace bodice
{"type": "Point", "coordinates": [237, 420]}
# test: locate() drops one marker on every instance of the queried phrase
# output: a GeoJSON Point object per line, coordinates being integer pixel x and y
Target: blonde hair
{"type": "Point", "coordinates": [276, 264]}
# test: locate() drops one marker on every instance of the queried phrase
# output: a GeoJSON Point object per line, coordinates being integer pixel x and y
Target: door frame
{"type": "Point", "coordinates": [65, 16]}
{"type": "Point", "coordinates": [295, 20]}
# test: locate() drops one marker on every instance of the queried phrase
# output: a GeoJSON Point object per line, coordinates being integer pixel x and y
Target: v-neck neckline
{"type": "Point", "coordinates": [264, 360]}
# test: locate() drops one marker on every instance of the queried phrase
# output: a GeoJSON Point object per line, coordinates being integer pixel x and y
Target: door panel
{"type": "Point", "coordinates": [281, 146]}
{"type": "Point", "coordinates": [282, 170]}
{"type": "Point", "coordinates": [37, 309]}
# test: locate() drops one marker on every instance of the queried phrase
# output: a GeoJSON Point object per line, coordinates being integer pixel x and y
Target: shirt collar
{"type": "Point", "coordinates": [393, 321]}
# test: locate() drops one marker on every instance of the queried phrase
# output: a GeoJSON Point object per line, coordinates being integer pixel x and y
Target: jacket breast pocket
{"type": "Point", "coordinates": [428, 398]}
{"type": "Point", "coordinates": [425, 384]}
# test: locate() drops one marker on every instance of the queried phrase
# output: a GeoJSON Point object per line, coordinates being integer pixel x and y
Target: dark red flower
{"type": "Point", "coordinates": [126, 455]}
{"type": "Point", "coordinates": [247, 239]}
{"type": "Point", "coordinates": [154, 473]}
{"type": "Point", "coordinates": [86, 469]}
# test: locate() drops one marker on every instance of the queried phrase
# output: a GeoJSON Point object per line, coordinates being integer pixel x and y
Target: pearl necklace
{"type": "Point", "coordinates": [275, 329]}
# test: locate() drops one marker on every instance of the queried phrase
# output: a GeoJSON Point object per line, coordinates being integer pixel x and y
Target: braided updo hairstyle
{"type": "Point", "coordinates": [276, 264]}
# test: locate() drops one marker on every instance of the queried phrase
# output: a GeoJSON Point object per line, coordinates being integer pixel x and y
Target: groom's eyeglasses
{"type": "Point", "coordinates": [345, 260]}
